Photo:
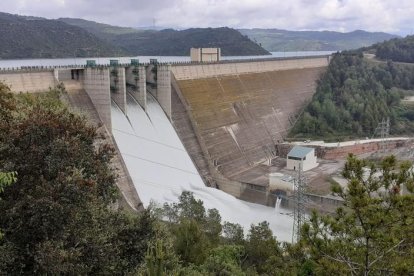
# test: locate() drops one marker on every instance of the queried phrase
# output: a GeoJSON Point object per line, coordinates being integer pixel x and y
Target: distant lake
{"type": "Point", "coordinates": [17, 63]}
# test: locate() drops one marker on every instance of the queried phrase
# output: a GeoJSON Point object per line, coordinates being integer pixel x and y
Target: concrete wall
{"type": "Point", "coordinates": [118, 87]}
{"type": "Point", "coordinates": [29, 81]}
{"type": "Point", "coordinates": [164, 88]}
{"type": "Point", "coordinates": [241, 118]}
{"type": "Point", "coordinates": [69, 74]}
{"type": "Point", "coordinates": [63, 74]}
{"type": "Point", "coordinates": [333, 153]}
{"type": "Point", "coordinates": [205, 54]}
{"type": "Point", "coordinates": [191, 71]}
{"type": "Point", "coordinates": [97, 86]}
{"type": "Point", "coordinates": [135, 77]}
{"type": "Point", "coordinates": [341, 152]}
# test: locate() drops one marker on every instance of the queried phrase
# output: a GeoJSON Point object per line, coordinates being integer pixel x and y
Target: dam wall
{"type": "Point", "coordinates": [238, 116]}
{"type": "Point", "coordinates": [229, 115]}
{"type": "Point", "coordinates": [199, 71]}
{"type": "Point", "coordinates": [29, 80]}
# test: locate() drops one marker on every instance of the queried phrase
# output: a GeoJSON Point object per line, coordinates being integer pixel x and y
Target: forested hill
{"type": "Point", "coordinates": [35, 37]}
{"type": "Point", "coordinates": [276, 40]}
{"type": "Point", "coordinates": [171, 42]}
{"type": "Point", "coordinates": [354, 95]}
{"type": "Point", "coordinates": [398, 49]}
{"type": "Point", "coordinates": [31, 37]}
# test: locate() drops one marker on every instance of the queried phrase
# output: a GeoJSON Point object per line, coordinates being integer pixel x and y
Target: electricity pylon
{"type": "Point", "coordinates": [299, 213]}
{"type": "Point", "coordinates": [383, 129]}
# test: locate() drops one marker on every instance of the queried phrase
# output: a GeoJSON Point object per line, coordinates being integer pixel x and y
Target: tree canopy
{"type": "Point", "coordinates": [371, 233]}
{"type": "Point", "coordinates": [354, 95]}
{"type": "Point", "coordinates": [57, 216]}
{"type": "Point", "coordinates": [397, 49]}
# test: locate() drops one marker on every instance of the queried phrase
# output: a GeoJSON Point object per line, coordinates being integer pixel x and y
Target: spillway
{"type": "Point", "coordinates": [161, 168]}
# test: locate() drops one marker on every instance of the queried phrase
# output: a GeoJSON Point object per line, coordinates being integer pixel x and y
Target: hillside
{"type": "Point", "coordinates": [171, 42]}
{"type": "Point", "coordinates": [354, 95]}
{"type": "Point", "coordinates": [398, 49]}
{"type": "Point", "coordinates": [275, 40]}
{"type": "Point", "coordinates": [103, 31]}
{"type": "Point", "coordinates": [31, 37]}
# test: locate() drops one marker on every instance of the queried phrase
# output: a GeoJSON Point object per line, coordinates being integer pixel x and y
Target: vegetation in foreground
{"type": "Point", "coordinates": [58, 215]}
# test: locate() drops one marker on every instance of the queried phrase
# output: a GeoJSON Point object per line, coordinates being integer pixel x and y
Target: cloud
{"type": "Point", "coordinates": [340, 15]}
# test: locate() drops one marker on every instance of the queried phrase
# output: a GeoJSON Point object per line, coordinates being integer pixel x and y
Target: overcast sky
{"type": "Point", "coordinates": [395, 16]}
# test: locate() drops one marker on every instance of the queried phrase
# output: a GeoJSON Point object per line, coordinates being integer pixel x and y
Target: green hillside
{"type": "Point", "coordinates": [357, 93]}
{"type": "Point", "coordinates": [276, 40]}
{"type": "Point", "coordinates": [30, 37]}
{"type": "Point", "coordinates": [398, 49]}
{"type": "Point", "coordinates": [171, 42]}
{"type": "Point", "coordinates": [101, 30]}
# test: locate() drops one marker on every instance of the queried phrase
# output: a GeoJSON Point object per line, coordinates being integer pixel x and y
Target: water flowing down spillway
{"type": "Point", "coordinates": [161, 168]}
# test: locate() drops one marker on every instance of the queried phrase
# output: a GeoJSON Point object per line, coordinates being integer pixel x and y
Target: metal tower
{"type": "Point", "coordinates": [383, 129]}
{"type": "Point", "coordinates": [385, 132]}
{"type": "Point", "coordinates": [299, 214]}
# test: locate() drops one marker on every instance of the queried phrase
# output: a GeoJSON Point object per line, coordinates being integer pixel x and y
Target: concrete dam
{"type": "Point", "coordinates": [206, 128]}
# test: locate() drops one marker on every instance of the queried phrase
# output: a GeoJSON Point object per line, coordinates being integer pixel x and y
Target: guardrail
{"type": "Point", "coordinates": [173, 63]}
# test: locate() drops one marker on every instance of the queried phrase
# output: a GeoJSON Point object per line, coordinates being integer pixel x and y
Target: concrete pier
{"type": "Point", "coordinates": [164, 88]}
{"type": "Point", "coordinates": [118, 87]}
{"type": "Point", "coordinates": [97, 85]}
{"type": "Point", "coordinates": [135, 77]}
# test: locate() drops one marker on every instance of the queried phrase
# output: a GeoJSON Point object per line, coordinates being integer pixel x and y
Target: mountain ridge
{"type": "Point", "coordinates": [35, 37]}
{"type": "Point", "coordinates": [170, 41]}
{"type": "Point", "coordinates": [278, 40]}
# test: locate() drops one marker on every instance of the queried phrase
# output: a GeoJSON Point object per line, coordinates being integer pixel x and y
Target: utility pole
{"type": "Point", "coordinates": [299, 213]}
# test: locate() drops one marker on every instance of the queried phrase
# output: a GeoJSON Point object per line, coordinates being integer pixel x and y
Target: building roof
{"type": "Point", "coordinates": [299, 152]}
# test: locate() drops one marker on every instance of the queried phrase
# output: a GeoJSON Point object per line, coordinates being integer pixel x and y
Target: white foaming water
{"type": "Point", "coordinates": [278, 202]}
{"type": "Point", "coordinates": [161, 169]}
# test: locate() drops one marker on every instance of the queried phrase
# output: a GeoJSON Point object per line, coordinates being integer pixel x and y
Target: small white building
{"type": "Point", "coordinates": [300, 154]}
{"type": "Point", "coordinates": [205, 54]}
